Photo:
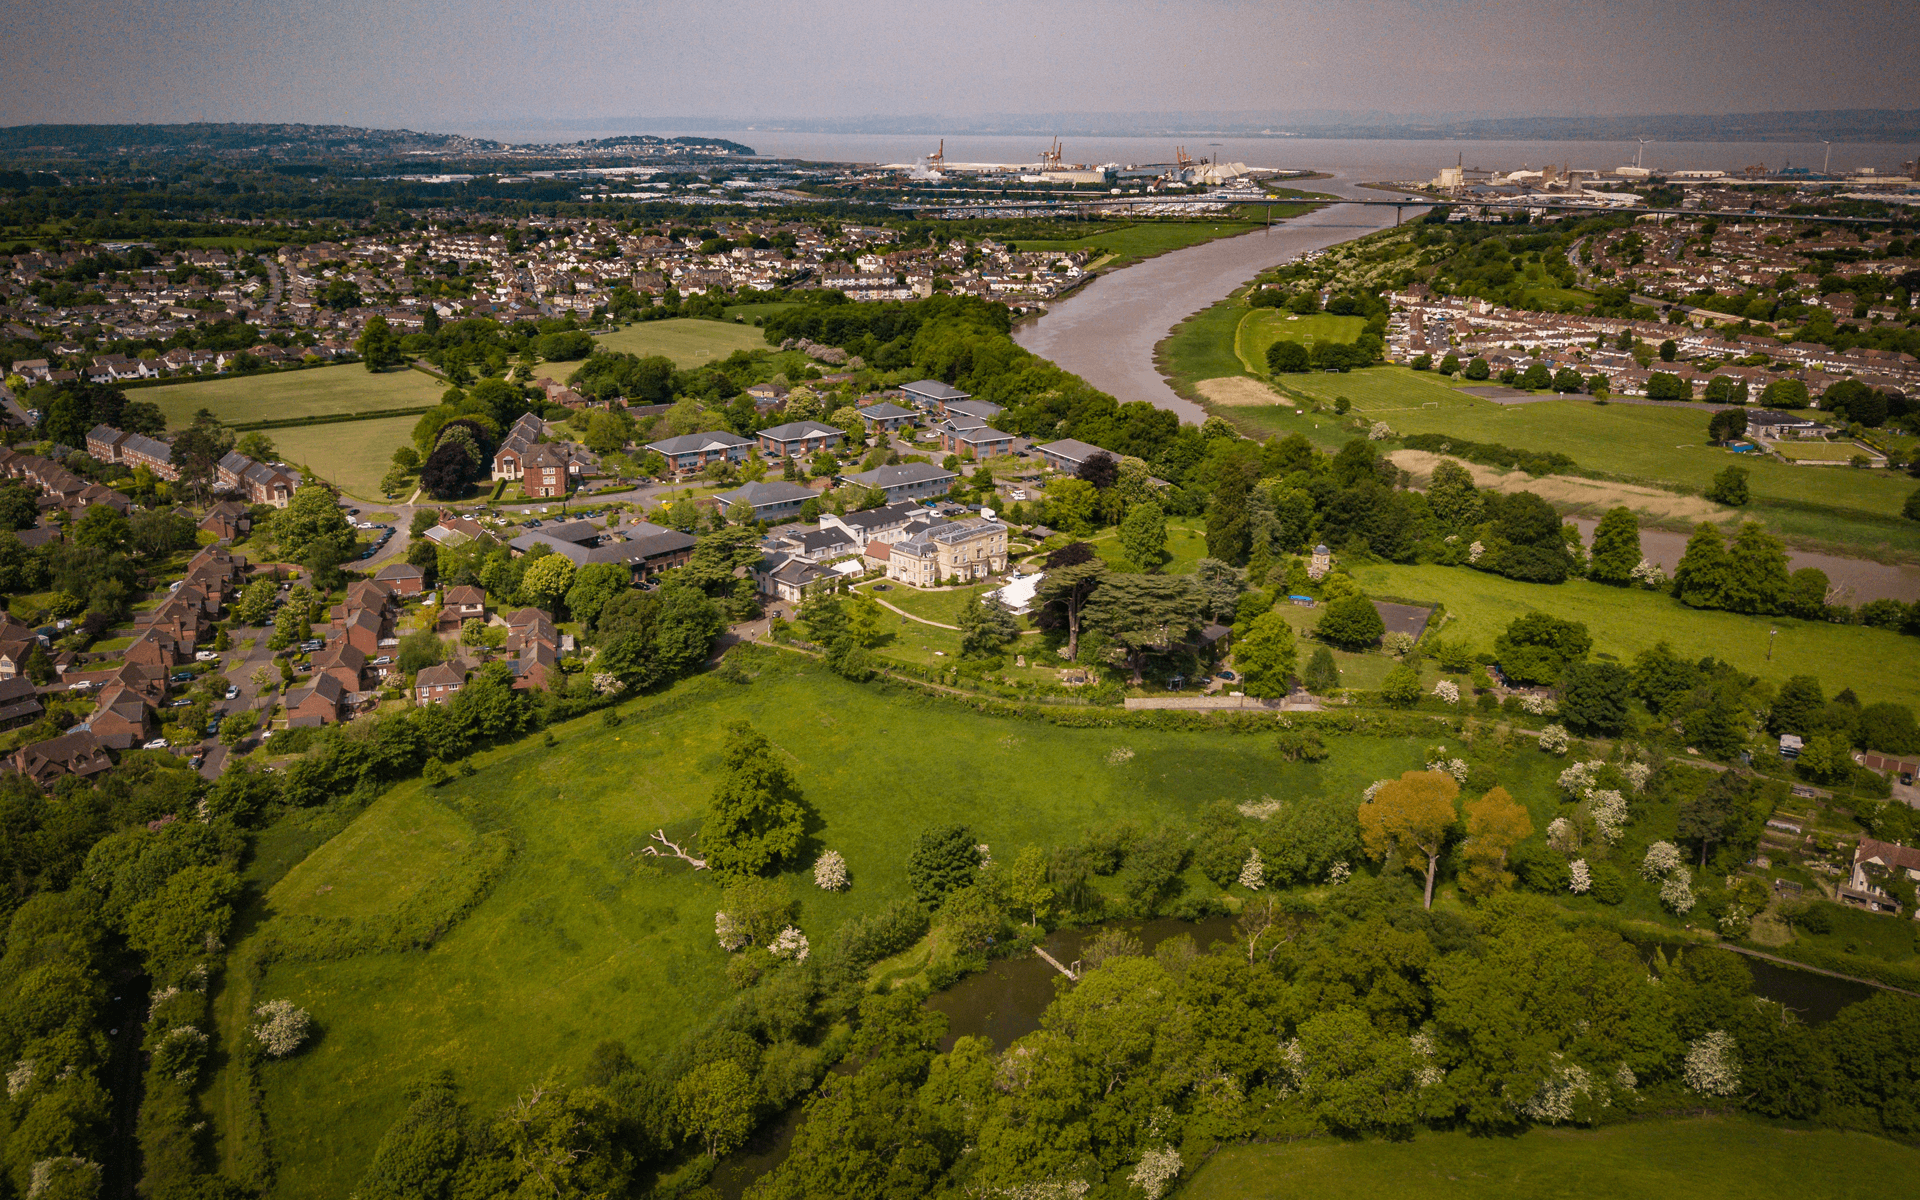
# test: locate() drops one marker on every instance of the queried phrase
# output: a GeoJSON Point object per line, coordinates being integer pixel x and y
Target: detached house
{"type": "Point", "coordinates": [460, 605]}
{"type": "Point", "coordinates": [76, 753]}
{"type": "Point", "coordinates": [319, 703]}
{"type": "Point", "coordinates": [438, 683]}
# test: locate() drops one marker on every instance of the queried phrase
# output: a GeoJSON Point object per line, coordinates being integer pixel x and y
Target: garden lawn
{"type": "Point", "coordinates": [1701, 1158]}
{"type": "Point", "coordinates": [317, 391]}
{"type": "Point", "coordinates": [689, 341]}
{"type": "Point", "coordinates": [584, 939]}
{"type": "Point", "coordinates": [1639, 443]}
{"type": "Point", "coordinates": [352, 454]}
{"type": "Point", "coordinates": [1262, 327]}
{"type": "Point", "coordinates": [1186, 546]}
{"type": "Point", "coordinates": [1876, 663]}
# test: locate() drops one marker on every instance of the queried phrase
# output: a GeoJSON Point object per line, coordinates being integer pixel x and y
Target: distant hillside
{"type": "Point", "coordinates": [292, 141]}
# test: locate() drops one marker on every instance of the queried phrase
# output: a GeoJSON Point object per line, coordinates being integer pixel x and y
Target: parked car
{"type": "Point", "coordinates": [1229, 676]}
{"type": "Point", "coordinates": [233, 693]}
{"type": "Point", "coordinates": [182, 702]}
{"type": "Point", "coordinates": [205, 656]}
{"type": "Point", "coordinates": [196, 760]}
{"type": "Point", "coordinates": [180, 677]}
{"type": "Point", "coordinates": [156, 744]}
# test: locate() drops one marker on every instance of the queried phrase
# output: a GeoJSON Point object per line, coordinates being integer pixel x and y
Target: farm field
{"type": "Point", "coordinates": [352, 454]}
{"type": "Point", "coordinates": [320, 391]}
{"type": "Point", "coordinates": [1262, 327]}
{"type": "Point", "coordinates": [1702, 1158]}
{"type": "Point", "coordinates": [688, 341]}
{"type": "Point", "coordinates": [580, 941]}
{"type": "Point", "coordinates": [1648, 444]}
{"type": "Point", "coordinates": [1874, 662]}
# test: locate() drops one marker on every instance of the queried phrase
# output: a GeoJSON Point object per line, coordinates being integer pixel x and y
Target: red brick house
{"type": "Point", "coordinates": [438, 683]}
{"type": "Point", "coordinates": [318, 703]}
{"type": "Point", "coordinates": [402, 579]}
{"type": "Point", "coordinates": [76, 753]}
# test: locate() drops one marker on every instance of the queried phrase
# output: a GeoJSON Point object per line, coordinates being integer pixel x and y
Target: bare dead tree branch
{"type": "Point", "coordinates": [660, 835]}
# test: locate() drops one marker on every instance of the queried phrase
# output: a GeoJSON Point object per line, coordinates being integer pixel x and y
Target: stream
{"type": "Point", "coordinates": [1004, 1003]}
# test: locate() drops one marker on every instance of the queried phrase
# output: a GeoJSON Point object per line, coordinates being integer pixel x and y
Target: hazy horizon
{"type": "Point", "coordinates": [429, 64]}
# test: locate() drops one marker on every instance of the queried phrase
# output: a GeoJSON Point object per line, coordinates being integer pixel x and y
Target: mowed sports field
{"type": "Point", "coordinates": [1702, 1158]}
{"type": "Point", "coordinates": [353, 455]}
{"type": "Point", "coordinates": [319, 391]}
{"type": "Point", "coordinates": [580, 940]}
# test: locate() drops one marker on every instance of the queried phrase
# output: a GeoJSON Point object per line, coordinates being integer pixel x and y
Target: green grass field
{"type": "Point", "coordinates": [579, 941]}
{"type": "Point", "coordinates": [688, 341]}
{"type": "Point", "coordinates": [1821, 452]}
{"type": "Point", "coordinates": [1641, 443]}
{"type": "Point", "coordinates": [1186, 546]}
{"type": "Point", "coordinates": [1873, 662]}
{"type": "Point", "coordinates": [347, 387]}
{"type": "Point", "coordinates": [1128, 244]}
{"type": "Point", "coordinates": [1262, 327]}
{"type": "Point", "coordinates": [1704, 1158]}
{"type": "Point", "coordinates": [352, 454]}
{"type": "Point", "coordinates": [1201, 347]}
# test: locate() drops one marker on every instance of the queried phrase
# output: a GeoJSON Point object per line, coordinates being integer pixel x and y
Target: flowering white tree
{"type": "Point", "coordinates": [1577, 780]}
{"type": "Point", "coordinates": [1608, 809]}
{"type": "Point", "coordinates": [986, 856]}
{"type": "Point", "coordinates": [1398, 643]}
{"type": "Point", "coordinates": [830, 871]}
{"type": "Point", "coordinates": [1625, 1079]}
{"type": "Point", "coordinates": [1428, 1073]}
{"type": "Point", "coordinates": [1339, 873]}
{"type": "Point", "coordinates": [791, 944]}
{"type": "Point", "coordinates": [1637, 774]}
{"type": "Point", "coordinates": [20, 1077]}
{"type": "Point", "coordinates": [1536, 705]}
{"type": "Point", "coordinates": [1713, 1064]}
{"type": "Point", "coordinates": [1676, 891]}
{"type": "Point", "coordinates": [1253, 876]}
{"type": "Point", "coordinates": [1554, 1099]}
{"type": "Point", "coordinates": [282, 1028]}
{"type": "Point", "coordinates": [1380, 432]}
{"type": "Point", "coordinates": [1580, 878]}
{"type": "Point", "coordinates": [1662, 857]}
{"type": "Point", "coordinates": [1475, 551]}
{"type": "Point", "coordinates": [1448, 691]}
{"type": "Point", "coordinates": [1553, 739]}
{"type": "Point", "coordinates": [1157, 1169]}
{"type": "Point", "coordinates": [1649, 575]}
{"type": "Point", "coordinates": [1563, 836]}
{"type": "Point", "coordinates": [1373, 787]}
{"type": "Point", "coordinates": [731, 936]}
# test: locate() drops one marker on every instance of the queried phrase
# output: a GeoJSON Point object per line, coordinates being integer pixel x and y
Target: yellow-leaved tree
{"type": "Point", "coordinates": [1411, 814]}
{"type": "Point", "coordinates": [1496, 823]}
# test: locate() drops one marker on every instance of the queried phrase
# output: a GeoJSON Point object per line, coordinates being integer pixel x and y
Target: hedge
{"type": "Point", "coordinates": [372, 414]}
{"type": "Point", "coordinates": [1493, 454]}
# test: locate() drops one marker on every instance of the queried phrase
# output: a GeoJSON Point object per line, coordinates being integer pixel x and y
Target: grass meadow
{"type": "Point", "coordinates": [582, 939]}
{"type": "Point", "coordinates": [353, 454]}
{"type": "Point", "coordinates": [1129, 244]}
{"type": "Point", "coordinates": [689, 341]}
{"type": "Point", "coordinates": [1262, 327]}
{"type": "Point", "coordinates": [1202, 347]}
{"type": "Point", "coordinates": [1874, 662]}
{"type": "Point", "coordinates": [1701, 1158]}
{"type": "Point", "coordinates": [317, 391]}
{"type": "Point", "coordinates": [1639, 443]}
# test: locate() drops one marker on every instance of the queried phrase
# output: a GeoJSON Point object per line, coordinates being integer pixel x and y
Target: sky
{"type": "Point", "coordinates": [449, 64]}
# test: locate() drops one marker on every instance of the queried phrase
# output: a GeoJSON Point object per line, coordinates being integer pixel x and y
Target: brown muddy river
{"type": "Point", "coordinates": [1106, 331]}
